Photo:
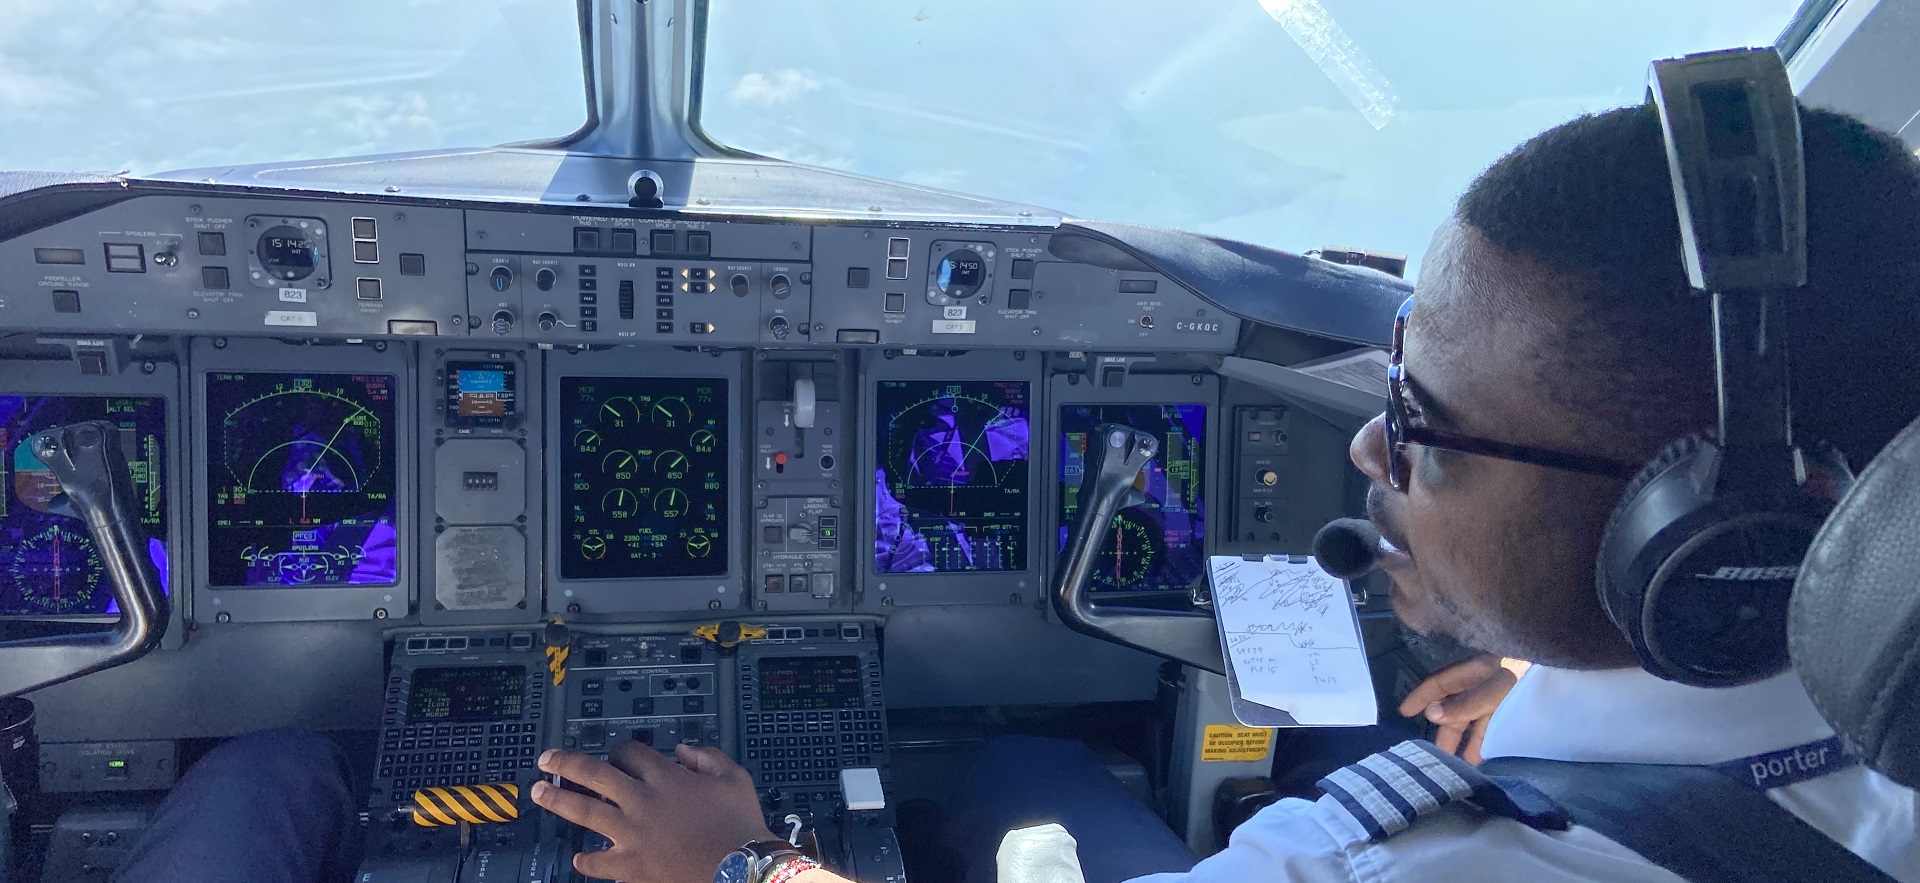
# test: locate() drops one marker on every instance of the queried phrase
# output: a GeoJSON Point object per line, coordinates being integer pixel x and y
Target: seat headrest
{"type": "Point", "coordinates": [1853, 631]}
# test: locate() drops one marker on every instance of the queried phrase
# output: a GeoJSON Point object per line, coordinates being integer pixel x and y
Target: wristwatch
{"type": "Point", "coordinates": [763, 861]}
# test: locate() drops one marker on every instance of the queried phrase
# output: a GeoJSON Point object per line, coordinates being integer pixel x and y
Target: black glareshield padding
{"type": "Point", "coordinates": [1697, 563]}
{"type": "Point", "coordinates": [97, 488]}
{"type": "Point", "coordinates": [1853, 628]}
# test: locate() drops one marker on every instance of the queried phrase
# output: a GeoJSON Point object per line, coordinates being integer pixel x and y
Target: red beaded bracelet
{"type": "Point", "coordinates": [790, 868]}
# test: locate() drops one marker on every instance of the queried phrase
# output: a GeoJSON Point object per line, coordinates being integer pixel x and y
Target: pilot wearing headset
{"type": "Point", "coordinates": [1552, 348]}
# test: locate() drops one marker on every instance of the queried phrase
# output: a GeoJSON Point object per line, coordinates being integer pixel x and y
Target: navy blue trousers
{"type": "Point", "coordinates": [1019, 781]}
{"type": "Point", "coordinates": [268, 807]}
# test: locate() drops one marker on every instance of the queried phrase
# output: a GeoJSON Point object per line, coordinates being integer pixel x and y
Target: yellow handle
{"type": "Point", "coordinates": [474, 804]}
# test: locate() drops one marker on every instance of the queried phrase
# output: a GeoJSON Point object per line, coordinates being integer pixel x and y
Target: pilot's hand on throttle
{"type": "Point", "coordinates": [669, 823]}
{"type": "Point", "coordinates": [1461, 698]}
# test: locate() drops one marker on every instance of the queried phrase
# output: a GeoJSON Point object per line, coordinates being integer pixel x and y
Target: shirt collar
{"type": "Point", "coordinates": [1630, 716]}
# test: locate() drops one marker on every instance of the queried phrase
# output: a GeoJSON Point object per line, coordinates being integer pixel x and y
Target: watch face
{"type": "Point", "coordinates": [737, 867]}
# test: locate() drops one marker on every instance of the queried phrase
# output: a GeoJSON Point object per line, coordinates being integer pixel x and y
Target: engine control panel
{"type": "Point", "coordinates": [658, 690]}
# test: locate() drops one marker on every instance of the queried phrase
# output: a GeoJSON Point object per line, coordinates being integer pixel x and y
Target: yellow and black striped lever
{"type": "Point", "coordinates": [491, 804]}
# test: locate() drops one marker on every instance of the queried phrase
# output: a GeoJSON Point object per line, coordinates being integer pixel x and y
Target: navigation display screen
{"type": "Point", "coordinates": [481, 394]}
{"type": "Point", "coordinates": [474, 693]}
{"type": "Point", "coordinates": [800, 683]}
{"type": "Point", "coordinates": [301, 479]}
{"type": "Point", "coordinates": [644, 469]}
{"type": "Point", "coordinates": [951, 488]}
{"type": "Point", "coordinates": [1155, 546]}
{"type": "Point", "coordinates": [48, 563]}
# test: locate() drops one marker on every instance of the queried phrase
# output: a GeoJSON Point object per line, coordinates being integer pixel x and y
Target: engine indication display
{"type": "Point", "coordinates": [301, 479]}
{"type": "Point", "coordinates": [645, 465]}
{"type": "Point", "coordinates": [950, 490]}
{"type": "Point", "coordinates": [1155, 546]}
{"type": "Point", "coordinates": [481, 394]}
{"type": "Point", "coordinates": [48, 563]}
{"type": "Point", "coordinates": [473, 693]}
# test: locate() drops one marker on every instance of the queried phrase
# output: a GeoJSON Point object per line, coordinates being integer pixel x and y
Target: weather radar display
{"type": "Point", "coordinates": [301, 479]}
{"type": "Point", "coordinates": [950, 490]}
{"type": "Point", "coordinates": [645, 466]}
{"type": "Point", "coordinates": [1154, 546]}
{"type": "Point", "coordinates": [48, 563]}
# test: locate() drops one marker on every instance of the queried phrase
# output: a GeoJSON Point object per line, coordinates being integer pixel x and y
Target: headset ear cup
{"type": "Point", "coordinates": [1624, 598]}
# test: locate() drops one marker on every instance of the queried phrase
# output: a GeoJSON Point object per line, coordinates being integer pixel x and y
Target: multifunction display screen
{"type": "Point", "coordinates": [48, 563]}
{"type": "Point", "coordinates": [800, 683]}
{"type": "Point", "coordinates": [1154, 546]}
{"type": "Point", "coordinates": [474, 693]}
{"type": "Point", "coordinates": [644, 469]}
{"type": "Point", "coordinates": [951, 486]}
{"type": "Point", "coordinates": [481, 394]}
{"type": "Point", "coordinates": [301, 480]}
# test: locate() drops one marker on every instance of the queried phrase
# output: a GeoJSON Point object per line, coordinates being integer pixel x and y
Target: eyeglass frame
{"type": "Point", "coordinates": [1405, 426]}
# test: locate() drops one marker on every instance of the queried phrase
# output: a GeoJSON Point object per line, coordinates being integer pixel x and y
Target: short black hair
{"type": "Point", "coordinates": [1592, 199]}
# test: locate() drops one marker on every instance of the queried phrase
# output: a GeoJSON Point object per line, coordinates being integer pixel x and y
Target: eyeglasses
{"type": "Point", "coordinates": [1406, 425]}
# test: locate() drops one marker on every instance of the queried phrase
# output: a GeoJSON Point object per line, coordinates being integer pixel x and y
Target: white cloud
{"type": "Point", "coordinates": [21, 90]}
{"type": "Point", "coordinates": [782, 86]}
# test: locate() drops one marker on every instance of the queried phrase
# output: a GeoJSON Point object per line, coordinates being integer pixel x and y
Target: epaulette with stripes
{"type": "Point", "coordinates": [1387, 792]}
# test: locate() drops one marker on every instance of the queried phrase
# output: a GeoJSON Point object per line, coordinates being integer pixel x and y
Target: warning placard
{"type": "Point", "coordinates": [1229, 742]}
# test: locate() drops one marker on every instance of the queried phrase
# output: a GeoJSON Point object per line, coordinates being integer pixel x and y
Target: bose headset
{"type": "Point", "coordinates": [1699, 559]}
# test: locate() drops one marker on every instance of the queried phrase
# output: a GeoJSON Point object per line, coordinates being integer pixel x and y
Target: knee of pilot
{"type": "Point", "coordinates": [282, 755]}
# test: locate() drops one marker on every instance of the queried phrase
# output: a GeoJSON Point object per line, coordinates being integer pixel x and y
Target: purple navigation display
{"type": "Point", "coordinates": [301, 479]}
{"type": "Point", "coordinates": [48, 563]}
{"type": "Point", "coordinates": [951, 488]}
{"type": "Point", "coordinates": [1155, 546]}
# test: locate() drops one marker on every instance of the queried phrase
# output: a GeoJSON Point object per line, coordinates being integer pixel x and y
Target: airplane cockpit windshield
{"type": "Point", "coordinates": [839, 385]}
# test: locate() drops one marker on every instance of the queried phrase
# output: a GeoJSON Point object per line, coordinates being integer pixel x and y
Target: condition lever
{"type": "Point", "coordinates": [1115, 456]}
{"type": "Point", "coordinates": [97, 488]}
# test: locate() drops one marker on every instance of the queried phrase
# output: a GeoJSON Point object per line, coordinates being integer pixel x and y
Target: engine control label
{"type": "Point", "coordinates": [1232, 742]}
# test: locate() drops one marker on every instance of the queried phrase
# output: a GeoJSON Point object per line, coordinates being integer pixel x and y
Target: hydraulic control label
{"type": "Point", "coordinates": [1231, 742]}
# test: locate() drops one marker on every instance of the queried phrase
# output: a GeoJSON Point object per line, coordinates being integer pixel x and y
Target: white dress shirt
{"type": "Point", "coordinates": [1619, 716]}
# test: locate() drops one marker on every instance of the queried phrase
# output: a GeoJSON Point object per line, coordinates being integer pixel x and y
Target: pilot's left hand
{"type": "Point", "coordinates": [669, 822]}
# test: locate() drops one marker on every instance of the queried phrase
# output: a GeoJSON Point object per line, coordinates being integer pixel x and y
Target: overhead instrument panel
{"type": "Point", "coordinates": [644, 503]}
{"type": "Point", "coordinates": [644, 487]}
{"type": "Point", "coordinates": [952, 493]}
{"type": "Point", "coordinates": [48, 563]}
{"type": "Point", "coordinates": [303, 480]}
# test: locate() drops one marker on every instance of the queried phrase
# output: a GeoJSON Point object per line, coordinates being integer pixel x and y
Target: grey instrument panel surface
{"type": "Point", "coordinates": [400, 267]}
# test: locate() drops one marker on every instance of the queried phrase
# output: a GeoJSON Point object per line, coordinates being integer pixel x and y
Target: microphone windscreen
{"type": "Point", "coordinates": [1348, 548]}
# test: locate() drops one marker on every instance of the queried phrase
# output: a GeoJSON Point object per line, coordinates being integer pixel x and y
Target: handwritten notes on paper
{"type": "Point", "coordinates": [1292, 640]}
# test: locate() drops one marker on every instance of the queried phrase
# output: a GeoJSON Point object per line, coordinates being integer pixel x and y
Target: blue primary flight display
{"type": "Point", "coordinates": [48, 563]}
{"type": "Point", "coordinates": [1154, 546]}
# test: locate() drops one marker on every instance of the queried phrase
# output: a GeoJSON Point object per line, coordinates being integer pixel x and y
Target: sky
{"type": "Point", "coordinates": [1295, 124]}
